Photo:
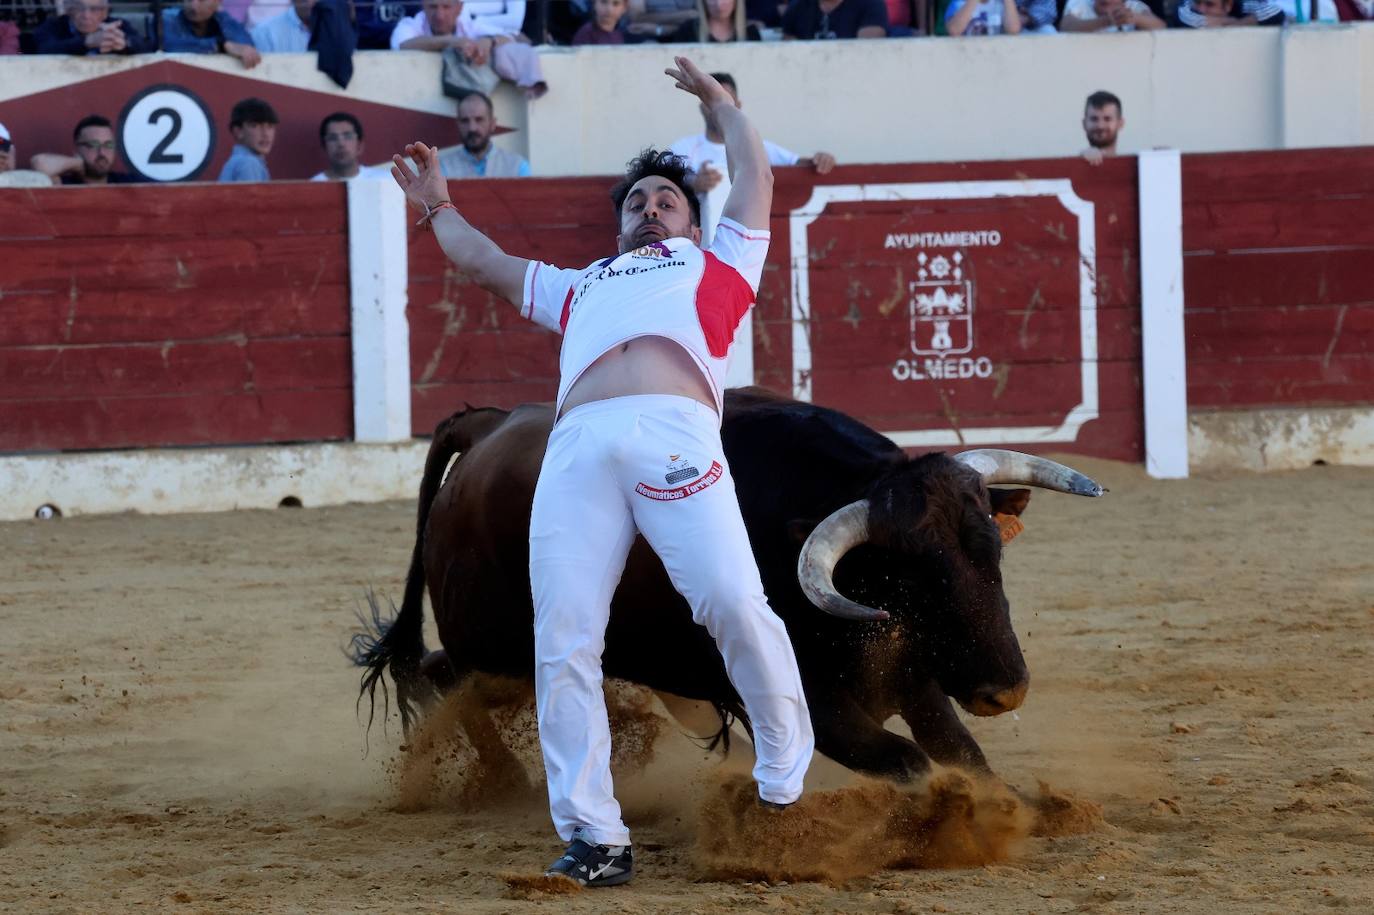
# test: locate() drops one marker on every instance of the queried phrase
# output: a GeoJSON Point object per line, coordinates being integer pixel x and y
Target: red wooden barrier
{"type": "Point", "coordinates": [1279, 278]}
{"type": "Point", "coordinates": [145, 316]}
{"type": "Point", "coordinates": [1023, 369]}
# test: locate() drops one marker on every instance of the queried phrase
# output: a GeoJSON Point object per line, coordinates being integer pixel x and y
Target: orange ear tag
{"type": "Point", "coordinates": [1009, 525]}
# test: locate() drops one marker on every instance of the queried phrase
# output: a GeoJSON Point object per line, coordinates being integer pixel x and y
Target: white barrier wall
{"type": "Point", "coordinates": [915, 100]}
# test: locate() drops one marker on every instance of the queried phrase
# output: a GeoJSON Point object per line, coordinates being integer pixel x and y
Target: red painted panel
{"type": "Point", "coordinates": [1278, 284]}
{"type": "Point", "coordinates": [200, 211]}
{"type": "Point", "coordinates": [117, 315]}
{"type": "Point", "coordinates": [92, 422]}
{"type": "Point", "coordinates": [1303, 276]}
{"type": "Point", "coordinates": [174, 315]}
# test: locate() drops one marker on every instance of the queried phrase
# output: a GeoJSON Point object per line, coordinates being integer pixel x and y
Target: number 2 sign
{"type": "Point", "coordinates": [165, 134]}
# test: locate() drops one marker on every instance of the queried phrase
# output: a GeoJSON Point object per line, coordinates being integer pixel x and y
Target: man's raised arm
{"type": "Point", "coordinates": [751, 177]}
{"type": "Point", "coordinates": [475, 254]}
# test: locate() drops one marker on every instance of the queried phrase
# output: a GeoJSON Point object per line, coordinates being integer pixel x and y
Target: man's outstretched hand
{"type": "Point", "coordinates": [691, 79]}
{"type": "Point", "coordinates": [426, 188]}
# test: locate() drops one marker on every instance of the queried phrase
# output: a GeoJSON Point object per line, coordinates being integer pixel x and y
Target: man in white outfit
{"type": "Point", "coordinates": [635, 449]}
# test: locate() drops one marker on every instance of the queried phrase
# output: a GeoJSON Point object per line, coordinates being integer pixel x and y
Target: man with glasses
{"type": "Point", "coordinates": [88, 28]}
{"type": "Point", "coordinates": [341, 135]}
{"type": "Point", "coordinates": [94, 160]}
{"type": "Point", "coordinates": [821, 19]}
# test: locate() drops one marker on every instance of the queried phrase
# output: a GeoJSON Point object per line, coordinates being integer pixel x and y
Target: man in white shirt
{"type": "Point", "coordinates": [440, 24]}
{"type": "Point", "coordinates": [288, 32]}
{"type": "Point", "coordinates": [341, 135]}
{"type": "Point", "coordinates": [1108, 16]}
{"type": "Point", "coordinates": [705, 152]}
{"type": "Point", "coordinates": [636, 448]}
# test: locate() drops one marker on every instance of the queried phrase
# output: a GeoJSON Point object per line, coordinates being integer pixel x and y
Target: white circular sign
{"type": "Point", "coordinates": [165, 134]}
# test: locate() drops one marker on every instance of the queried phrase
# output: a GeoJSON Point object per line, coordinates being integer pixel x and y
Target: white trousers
{"type": "Point", "coordinates": [654, 464]}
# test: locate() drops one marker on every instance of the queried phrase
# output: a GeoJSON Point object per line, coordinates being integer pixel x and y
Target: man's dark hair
{"type": "Point", "coordinates": [1101, 99]}
{"type": "Point", "coordinates": [341, 116]}
{"type": "Point", "coordinates": [725, 79]}
{"type": "Point", "coordinates": [90, 120]}
{"type": "Point", "coordinates": [664, 164]}
{"type": "Point", "coordinates": [252, 111]}
{"type": "Point", "coordinates": [491, 109]}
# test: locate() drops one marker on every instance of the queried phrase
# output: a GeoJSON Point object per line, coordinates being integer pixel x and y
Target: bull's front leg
{"type": "Point", "coordinates": [848, 734]}
{"type": "Point", "coordinates": [936, 726]}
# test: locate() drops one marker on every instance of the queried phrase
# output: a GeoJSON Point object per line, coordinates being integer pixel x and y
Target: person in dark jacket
{"type": "Point", "coordinates": [88, 28]}
{"type": "Point", "coordinates": [200, 28]}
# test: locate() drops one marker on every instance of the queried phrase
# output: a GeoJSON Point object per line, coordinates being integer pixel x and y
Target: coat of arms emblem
{"type": "Point", "coordinates": [941, 305]}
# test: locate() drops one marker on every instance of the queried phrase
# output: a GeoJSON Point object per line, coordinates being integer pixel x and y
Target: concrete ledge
{"type": "Point", "coordinates": [1280, 439]}
{"type": "Point", "coordinates": [209, 479]}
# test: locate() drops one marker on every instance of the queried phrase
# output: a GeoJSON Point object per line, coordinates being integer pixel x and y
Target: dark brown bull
{"type": "Point", "coordinates": [910, 543]}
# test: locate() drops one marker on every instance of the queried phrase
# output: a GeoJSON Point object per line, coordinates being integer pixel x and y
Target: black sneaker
{"type": "Point", "coordinates": [594, 865]}
{"type": "Point", "coordinates": [771, 805]}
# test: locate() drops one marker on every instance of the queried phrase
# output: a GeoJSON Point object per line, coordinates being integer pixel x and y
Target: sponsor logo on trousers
{"type": "Point", "coordinates": [682, 492]}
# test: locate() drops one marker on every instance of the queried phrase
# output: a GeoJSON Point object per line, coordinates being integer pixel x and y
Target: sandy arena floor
{"type": "Point", "coordinates": [177, 725]}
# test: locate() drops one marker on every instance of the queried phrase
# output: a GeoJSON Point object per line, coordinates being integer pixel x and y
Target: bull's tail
{"type": "Point", "coordinates": [398, 643]}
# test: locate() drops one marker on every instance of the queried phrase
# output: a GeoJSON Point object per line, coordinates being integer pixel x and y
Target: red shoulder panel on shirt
{"type": "Point", "coordinates": [567, 307]}
{"type": "Point", "coordinates": [723, 297]}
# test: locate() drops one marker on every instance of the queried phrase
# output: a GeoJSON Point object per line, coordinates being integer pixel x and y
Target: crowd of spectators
{"type": "Point", "coordinates": [500, 32]}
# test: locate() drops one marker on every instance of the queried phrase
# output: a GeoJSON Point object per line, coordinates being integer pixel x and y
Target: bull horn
{"type": "Point", "coordinates": [839, 533]}
{"type": "Point", "coordinates": [999, 466]}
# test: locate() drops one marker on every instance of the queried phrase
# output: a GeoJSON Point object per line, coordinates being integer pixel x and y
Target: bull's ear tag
{"type": "Point", "coordinates": [1009, 525]}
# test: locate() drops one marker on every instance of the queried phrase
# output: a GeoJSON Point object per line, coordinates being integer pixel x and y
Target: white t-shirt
{"type": "Point", "coordinates": [667, 289]}
{"type": "Point", "coordinates": [417, 26]}
{"type": "Point", "coordinates": [698, 151]}
{"type": "Point", "coordinates": [370, 172]}
{"type": "Point", "coordinates": [1083, 11]}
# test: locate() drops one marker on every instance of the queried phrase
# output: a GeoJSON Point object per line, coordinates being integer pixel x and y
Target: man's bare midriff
{"type": "Point", "coordinates": [644, 365]}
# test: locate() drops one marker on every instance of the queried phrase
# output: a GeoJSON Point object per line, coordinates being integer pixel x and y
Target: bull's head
{"type": "Point", "coordinates": [935, 555]}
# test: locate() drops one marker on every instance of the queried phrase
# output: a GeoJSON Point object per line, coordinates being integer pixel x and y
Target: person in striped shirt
{"type": "Point", "coordinates": [1210, 14]}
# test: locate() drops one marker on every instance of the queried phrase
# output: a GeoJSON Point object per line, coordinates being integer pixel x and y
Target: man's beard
{"type": "Point", "coordinates": [475, 142]}
{"type": "Point", "coordinates": [1101, 139]}
{"type": "Point", "coordinates": [95, 171]}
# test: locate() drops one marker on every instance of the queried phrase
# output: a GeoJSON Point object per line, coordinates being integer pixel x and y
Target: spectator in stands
{"type": "Point", "coordinates": [1355, 10]}
{"type": "Point", "coordinates": [200, 28]}
{"type": "Point", "coordinates": [376, 22]}
{"type": "Point", "coordinates": [1102, 123]}
{"type": "Point", "coordinates": [822, 19]}
{"type": "Point", "coordinates": [1210, 14]}
{"type": "Point", "coordinates": [1108, 16]}
{"type": "Point", "coordinates": [288, 32]}
{"type": "Point", "coordinates": [440, 24]}
{"type": "Point", "coordinates": [1302, 12]}
{"type": "Point", "coordinates": [341, 135]}
{"type": "Point", "coordinates": [605, 25]}
{"type": "Point", "coordinates": [9, 37]}
{"type": "Point", "coordinates": [17, 177]}
{"type": "Point", "coordinates": [659, 18]}
{"type": "Point", "coordinates": [253, 124]}
{"type": "Point", "coordinates": [705, 152]}
{"type": "Point", "coordinates": [1000, 17]}
{"type": "Point", "coordinates": [94, 161]}
{"type": "Point", "coordinates": [495, 17]}
{"type": "Point", "coordinates": [478, 157]}
{"type": "Point", "coordinates": [87, 28]}
{"type": "Point", "coordinates": [717, 22]}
